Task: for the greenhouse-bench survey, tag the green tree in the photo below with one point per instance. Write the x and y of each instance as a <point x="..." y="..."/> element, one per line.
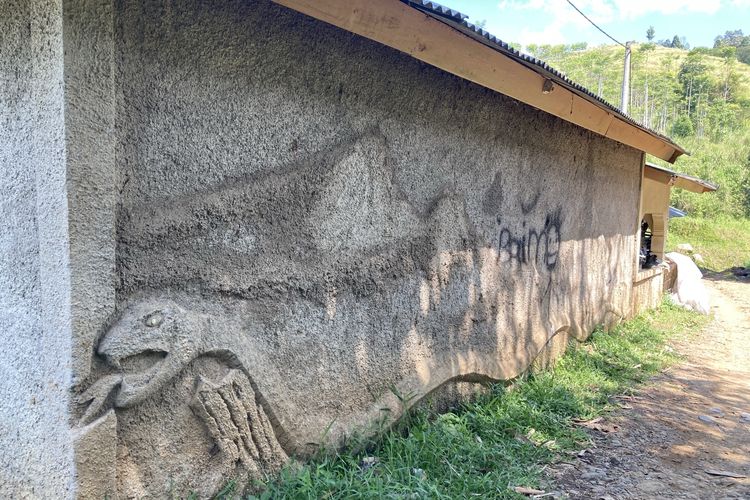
<point x="732" y="39"/>
<point x="743" y="54"/>
<point x="722" y="117"/>
<point x="650" y="32"/>
<point x="682" y="127"/>
<point x="695" y="78"/>
<point x="737" y="40"/>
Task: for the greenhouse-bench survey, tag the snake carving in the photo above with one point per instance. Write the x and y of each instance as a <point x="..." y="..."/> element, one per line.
<point x="300" y="368"/>
<point x="231" y="409"/>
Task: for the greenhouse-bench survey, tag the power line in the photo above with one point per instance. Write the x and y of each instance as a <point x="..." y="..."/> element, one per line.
<point x="594" y="24"/>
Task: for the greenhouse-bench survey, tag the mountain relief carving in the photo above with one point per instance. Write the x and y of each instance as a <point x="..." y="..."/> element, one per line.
<point x="360" y="291"/>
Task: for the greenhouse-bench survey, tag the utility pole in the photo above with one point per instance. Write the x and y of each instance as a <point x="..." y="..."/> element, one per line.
<point x="625" y="95"/>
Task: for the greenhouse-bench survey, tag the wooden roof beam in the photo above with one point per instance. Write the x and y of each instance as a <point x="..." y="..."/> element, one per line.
<point x="408" y="30"/>
<point x="676" y="179"/>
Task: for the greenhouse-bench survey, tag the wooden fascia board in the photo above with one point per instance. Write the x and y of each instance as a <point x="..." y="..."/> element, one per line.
<point x="408" y="30"/>
<point x="657" y="175"/>
<point x="690" y="185"/>
<point x="677" y="180"/>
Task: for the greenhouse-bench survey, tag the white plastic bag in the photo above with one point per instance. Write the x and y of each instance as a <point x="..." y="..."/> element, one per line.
<point x="689" y="290"/>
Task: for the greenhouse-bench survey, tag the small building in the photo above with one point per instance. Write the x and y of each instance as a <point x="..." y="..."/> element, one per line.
<point x="235" y="232"/>
<point x="655" y="192"/>
<point x="651" y="280"/>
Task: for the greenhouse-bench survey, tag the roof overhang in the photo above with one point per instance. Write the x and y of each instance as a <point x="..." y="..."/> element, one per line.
<point x="453" y="45"/>
<point x="676" y="179"/>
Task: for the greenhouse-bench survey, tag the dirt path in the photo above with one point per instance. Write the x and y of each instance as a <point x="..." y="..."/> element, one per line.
<point x="694" y="418"/>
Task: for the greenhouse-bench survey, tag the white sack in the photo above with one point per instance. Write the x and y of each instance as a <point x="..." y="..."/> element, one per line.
<point x="689" y="290"/>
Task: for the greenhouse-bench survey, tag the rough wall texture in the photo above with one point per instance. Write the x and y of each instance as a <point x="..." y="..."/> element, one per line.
<point x="648" y="289"/>
<point x="36" y="455"/>
<point x="90" y="150"/>
<point x="308" y="223"/>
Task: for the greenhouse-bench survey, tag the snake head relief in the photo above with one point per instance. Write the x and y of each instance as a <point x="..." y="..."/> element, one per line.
<point x="149" y="345"/>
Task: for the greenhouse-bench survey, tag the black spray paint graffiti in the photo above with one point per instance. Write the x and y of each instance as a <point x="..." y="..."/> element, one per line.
<point x="533" y="245"/>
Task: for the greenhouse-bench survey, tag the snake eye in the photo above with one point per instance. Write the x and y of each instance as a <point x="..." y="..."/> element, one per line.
<point x="154" y="319"/>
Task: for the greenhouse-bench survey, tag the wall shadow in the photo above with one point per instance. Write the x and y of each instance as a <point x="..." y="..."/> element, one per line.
<point x="343" y="223"/>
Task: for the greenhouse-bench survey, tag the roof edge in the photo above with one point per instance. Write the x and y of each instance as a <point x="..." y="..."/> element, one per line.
<point x="684" y="181"/>
<point x="460" y="23"/>
<point x="441" y="37"/>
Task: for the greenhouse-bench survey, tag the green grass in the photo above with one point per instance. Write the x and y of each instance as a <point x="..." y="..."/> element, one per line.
<point x="722" y="242"/>
<point x="504" y="438"/>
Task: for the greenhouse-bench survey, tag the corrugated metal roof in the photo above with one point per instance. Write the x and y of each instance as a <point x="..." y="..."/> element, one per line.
<point x="440" y="9"/>
<point x="459" y="21"/>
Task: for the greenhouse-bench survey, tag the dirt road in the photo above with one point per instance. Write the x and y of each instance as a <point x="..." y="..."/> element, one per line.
<point x="692" y="421"/>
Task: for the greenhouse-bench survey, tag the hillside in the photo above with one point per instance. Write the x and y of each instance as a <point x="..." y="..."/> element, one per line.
<point x="663" y="80"/>
<point x="700" y="98"/>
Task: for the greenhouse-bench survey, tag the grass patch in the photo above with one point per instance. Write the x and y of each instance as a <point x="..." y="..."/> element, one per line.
<point x="504" y="438"/>
<point x="723" y="242"/>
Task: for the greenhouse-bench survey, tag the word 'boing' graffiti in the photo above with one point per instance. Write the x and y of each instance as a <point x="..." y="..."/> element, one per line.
<point x="532" y="245"/>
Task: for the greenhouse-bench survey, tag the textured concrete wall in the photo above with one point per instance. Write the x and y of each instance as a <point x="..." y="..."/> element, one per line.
<point x="308" y="222"/>
<point x="277" y="232"/>
<point x="90" y="142"/>
<point x="36" y="457"/>
<point x="648" y="289"/>
<point x="655" y="191"/>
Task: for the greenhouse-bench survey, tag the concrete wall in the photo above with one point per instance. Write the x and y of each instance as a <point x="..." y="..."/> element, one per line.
<point x="648" y="289"/>
<point x="655" y="205"/>
<point x="36" y="460"/>
<point x="90" y="147"/>
<point x="649" y="284"/>
<point x="315" y="221"/>
<point x="278" y="231"/>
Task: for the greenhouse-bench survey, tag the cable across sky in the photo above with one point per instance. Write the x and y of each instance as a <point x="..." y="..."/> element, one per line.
<point x="594" y="24"/>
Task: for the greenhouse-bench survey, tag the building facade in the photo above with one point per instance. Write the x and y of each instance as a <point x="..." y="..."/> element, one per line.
<point x="238" y="233"/>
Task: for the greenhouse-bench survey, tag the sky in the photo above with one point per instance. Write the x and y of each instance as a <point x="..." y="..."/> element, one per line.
<point x="555" y="21"/>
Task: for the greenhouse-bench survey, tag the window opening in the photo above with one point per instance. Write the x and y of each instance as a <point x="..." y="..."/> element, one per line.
<point x="647" y="258"/>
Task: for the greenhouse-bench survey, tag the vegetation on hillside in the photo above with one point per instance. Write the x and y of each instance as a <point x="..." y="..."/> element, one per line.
<point x="709" y="87"/>
<point x="722" y="242"/>
<point x="738" y="40"/>
<point x="725" y="162"/>
<point x="700" y="98"/>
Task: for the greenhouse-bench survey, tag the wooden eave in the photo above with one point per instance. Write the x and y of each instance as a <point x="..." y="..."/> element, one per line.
<point x="676" y="179"/>
<point x="435" y="42"/>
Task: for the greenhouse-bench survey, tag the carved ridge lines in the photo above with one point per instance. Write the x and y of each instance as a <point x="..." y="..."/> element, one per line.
<point x="237" y="423"/>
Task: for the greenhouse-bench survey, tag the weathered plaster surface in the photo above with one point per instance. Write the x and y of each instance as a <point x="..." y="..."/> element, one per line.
<point x="36" y="455"/>
<point x="321" y="219"/>
<point x="273" y="225"/>
<point x="90" y="147"/>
